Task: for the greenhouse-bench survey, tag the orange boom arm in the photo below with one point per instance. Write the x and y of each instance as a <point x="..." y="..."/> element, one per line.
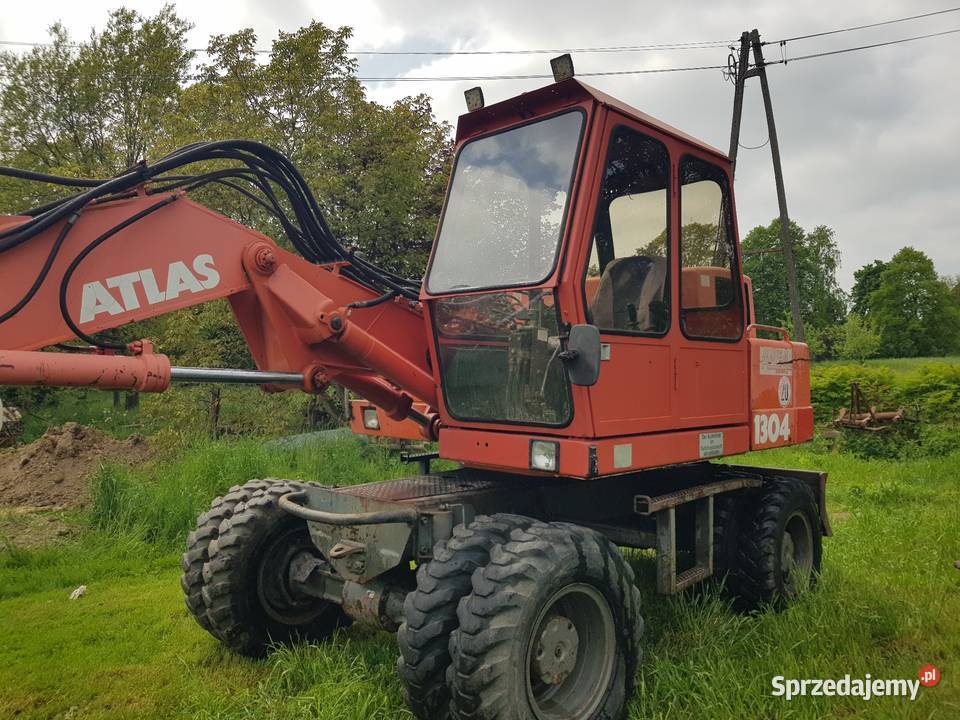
<point x="297" y="317"/>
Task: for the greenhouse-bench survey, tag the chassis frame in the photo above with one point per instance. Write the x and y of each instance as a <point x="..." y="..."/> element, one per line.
<point x="371" y="536"/>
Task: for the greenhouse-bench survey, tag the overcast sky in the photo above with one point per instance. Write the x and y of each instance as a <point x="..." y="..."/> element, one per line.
<point x="870" y="140"/>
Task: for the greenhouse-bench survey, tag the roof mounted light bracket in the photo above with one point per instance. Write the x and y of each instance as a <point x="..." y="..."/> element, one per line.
<point x="474" y="98"/>
<point x="562" y="67"/>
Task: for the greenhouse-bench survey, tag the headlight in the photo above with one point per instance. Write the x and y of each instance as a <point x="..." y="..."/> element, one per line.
<point x="370" y="419"/>
<point x="544" y="455"/>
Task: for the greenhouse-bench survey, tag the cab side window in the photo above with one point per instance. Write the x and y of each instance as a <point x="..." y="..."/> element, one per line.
<point x="627" y="285"/>
<point x="710" y="298"/>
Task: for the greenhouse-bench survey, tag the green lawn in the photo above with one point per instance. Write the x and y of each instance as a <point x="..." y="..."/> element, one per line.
<point x="898" y="365"/>
<point x="888" y="602"/>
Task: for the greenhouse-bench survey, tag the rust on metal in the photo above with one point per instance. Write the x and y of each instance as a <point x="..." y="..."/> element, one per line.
<point x="646" y="505"/>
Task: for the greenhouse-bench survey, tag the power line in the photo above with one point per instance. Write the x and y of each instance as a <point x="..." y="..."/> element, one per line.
<point x="478" y="78"/>
<point x="686" y="45"/>
<point x="701" y="45"/>
<point x="640" y="71"/>
<point x="861" y="27"/>
<point x="530" y="76"/>
<point x="755" y="147"/>
<point x="693" y="45"/>
<point x="861" y="47"/>
<point x="536" y="76"/>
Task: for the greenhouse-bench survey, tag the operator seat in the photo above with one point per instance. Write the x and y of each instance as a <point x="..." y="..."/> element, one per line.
<point x="630" y="294"/>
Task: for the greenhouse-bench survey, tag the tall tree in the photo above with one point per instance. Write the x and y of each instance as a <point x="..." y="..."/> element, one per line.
<point x="91" y="108"/>
<point x="95" y="107"/>
<point x="953" y="283"/>
<point x="822" y="302"/>
<point x="912" y="308"/>
<point x="866" y="281"/>
<point x="379" y="172"/>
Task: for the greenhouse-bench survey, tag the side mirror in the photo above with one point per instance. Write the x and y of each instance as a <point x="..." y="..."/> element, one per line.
<point x="582" y="356"/>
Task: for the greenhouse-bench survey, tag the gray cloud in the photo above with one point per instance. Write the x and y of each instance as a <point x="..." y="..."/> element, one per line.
<point x="869" y="139"/>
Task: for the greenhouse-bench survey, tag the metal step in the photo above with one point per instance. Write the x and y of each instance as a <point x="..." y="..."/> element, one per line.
<point x="691" y="577"/>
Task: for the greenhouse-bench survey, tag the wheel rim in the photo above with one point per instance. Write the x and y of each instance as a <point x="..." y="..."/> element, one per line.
<point x="796" y="552"/>
<point x="276" y="596"/>
<point x="570" y="654"/>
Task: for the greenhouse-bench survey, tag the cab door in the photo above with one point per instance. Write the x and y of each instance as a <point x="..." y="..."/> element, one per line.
<point x="628" y="284"/>
<point x="711" y="375"/>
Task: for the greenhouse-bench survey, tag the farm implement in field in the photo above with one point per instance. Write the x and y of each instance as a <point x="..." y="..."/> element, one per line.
<point x="863" y="416"/>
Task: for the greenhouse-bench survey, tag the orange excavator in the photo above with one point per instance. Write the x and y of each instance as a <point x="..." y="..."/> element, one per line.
<point x="583" y="344"/>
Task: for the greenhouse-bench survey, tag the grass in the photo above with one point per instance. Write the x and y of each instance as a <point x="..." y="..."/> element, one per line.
<point x="180" y="413"/>
<point x="165" y="506"/>
<point x="898" y="365"/>
<point x="888" y="602"/>
<point x="87" y="407"/>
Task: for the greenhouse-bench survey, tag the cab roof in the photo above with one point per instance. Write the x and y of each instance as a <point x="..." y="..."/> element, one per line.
<point x="556" y="97"/>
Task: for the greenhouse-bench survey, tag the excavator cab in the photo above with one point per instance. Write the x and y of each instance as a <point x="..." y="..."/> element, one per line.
<point x="568" y="209"/>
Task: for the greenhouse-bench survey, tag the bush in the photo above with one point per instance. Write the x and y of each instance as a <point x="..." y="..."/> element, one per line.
<point x="184" y="412"/>
<point x="830" y="388"/>
<point x="825" y="343"/>
<point x="897" y="442"/>
<point x="860" y="340"/>
<point x="939" y="440"/>
<point x="934" y="390"/>
<point x="930" y="394"/>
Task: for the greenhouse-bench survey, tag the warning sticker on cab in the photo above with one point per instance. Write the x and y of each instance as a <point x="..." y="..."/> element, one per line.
<point x="776" y="361"/>
<point x="711" y="444"/>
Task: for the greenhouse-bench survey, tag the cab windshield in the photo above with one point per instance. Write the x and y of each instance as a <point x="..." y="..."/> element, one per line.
<point x="506" y="207"/>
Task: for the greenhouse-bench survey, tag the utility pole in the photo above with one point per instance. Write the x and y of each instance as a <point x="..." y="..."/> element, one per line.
<point x="751" y="41"/>
<point x="743" y="60"/>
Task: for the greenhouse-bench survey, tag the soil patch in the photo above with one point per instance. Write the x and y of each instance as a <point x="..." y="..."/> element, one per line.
<point x="54" y="471"/>
<point x="26" y="528"/>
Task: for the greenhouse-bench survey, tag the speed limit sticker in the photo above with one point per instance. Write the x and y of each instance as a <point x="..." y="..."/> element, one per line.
<point x="784" y="391"/>
<point x="771" y="428"/>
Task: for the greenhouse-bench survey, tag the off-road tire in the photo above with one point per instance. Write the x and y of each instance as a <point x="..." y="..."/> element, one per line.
<point x="488" y="675"/>
<point x="727" y="523"/>
<point x="198" y="543"/>
<point x="232" y="588"/>
<point x="430" y="611"/>
<point x="760" y="571"/>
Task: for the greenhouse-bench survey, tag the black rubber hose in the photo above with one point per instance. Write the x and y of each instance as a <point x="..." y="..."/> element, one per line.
<point x="47" y="178"/>
<point x="64" y="284"/>
<point x="44" y="271"/>
<point x="265" y="169"/>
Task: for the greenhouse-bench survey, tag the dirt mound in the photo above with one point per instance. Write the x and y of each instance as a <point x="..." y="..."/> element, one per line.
<point x="55" y="470"/>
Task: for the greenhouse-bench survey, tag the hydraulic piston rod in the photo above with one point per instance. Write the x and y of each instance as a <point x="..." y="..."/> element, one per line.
<point x="227" y="375"/>
<point x="149" y="372"/>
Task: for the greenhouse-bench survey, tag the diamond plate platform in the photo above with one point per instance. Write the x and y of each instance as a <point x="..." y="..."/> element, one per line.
<point x="422" y="486"/>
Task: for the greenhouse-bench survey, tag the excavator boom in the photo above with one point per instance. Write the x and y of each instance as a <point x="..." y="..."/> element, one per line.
<point x="298" y="318"/>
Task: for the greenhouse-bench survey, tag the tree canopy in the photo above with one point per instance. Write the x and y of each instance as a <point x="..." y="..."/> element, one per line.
<point x="131" y="91"/>
<point x="910" y="306"/>
<point x="822" y="301"/>
<point x="866" y="281"/>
